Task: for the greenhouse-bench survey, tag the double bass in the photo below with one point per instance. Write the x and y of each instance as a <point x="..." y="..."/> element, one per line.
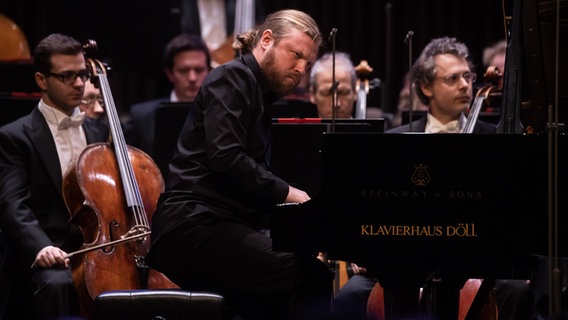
<point x="111" y="193"/>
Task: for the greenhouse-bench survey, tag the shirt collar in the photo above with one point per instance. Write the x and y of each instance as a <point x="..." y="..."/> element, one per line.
<point x="250" y="61"/>
<point x="173" y="96"/>
<point x="435" y="126"/>
<point x="55" y="117"/>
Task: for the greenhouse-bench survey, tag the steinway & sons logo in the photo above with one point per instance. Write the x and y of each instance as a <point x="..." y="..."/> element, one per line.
<point x="421" y="178"/>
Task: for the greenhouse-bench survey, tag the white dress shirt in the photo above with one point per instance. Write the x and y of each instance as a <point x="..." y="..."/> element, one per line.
<point x="435" y="126"/>
<point x="67" y="133"/>
<point x="213" y="22"/>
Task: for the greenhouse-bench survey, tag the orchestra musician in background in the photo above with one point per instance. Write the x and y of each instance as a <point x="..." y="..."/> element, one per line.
<point x="217" y="21"/>
<point x="204" y="231"/>
<point x="186" y="64"/>
<point x="321" y="86"/>
<point x="351" y="300"/>
<point x="92" y="103"/>
<point x="407" y="99"/>
<point x="36" y="152"/>
<point x="495" y="55"/>
<point x="443" y="78"/>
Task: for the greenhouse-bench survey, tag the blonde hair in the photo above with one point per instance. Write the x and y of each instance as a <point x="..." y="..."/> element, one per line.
<point x="279" y="23"/>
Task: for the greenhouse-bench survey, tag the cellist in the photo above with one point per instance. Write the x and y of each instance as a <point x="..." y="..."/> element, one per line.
<point x="36" y="151"/>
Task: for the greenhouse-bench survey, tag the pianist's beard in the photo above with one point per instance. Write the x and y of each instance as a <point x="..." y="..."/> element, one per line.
<point x="279" y="81"/>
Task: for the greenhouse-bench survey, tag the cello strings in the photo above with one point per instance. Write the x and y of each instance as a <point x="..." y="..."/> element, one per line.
<point x="130" y="185"/>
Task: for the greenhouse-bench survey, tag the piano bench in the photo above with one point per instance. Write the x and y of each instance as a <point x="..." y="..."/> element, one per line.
<point x="167" y="304"/>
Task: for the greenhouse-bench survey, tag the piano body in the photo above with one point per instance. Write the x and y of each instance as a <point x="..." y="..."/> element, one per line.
<point x="463" y="206"/>
<point x="492" y="188"/>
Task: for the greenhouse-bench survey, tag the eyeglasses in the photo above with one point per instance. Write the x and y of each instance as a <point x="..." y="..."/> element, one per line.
<point x="340" y="92"/>
<point x="452" y="79"/>
<point x="69" y="77"/>
<point x="90" y="100"/>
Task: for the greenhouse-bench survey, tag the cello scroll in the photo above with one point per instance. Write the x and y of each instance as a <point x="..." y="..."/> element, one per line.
<point x="363" y="71"/>
<point x="482" y="98"/>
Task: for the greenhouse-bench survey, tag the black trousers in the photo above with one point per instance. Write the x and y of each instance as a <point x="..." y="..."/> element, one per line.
<point x="351" y="300"/>
<point x="42" y="294"/>
<point x="234" y="260"/>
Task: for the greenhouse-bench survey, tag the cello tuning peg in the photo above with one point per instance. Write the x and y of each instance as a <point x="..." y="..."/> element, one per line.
<point x="90" y="46"/>
<point x="375" y="83"/>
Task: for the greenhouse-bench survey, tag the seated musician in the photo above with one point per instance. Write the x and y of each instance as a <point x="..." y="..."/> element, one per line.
<point x="320" y="86"/>
<point x="92" y="103"/>
<point x="36" y="152"/>
<point x="494" y="55"/>
<point x="186" y="63"/>
<point x="443" y="81"/>
<point x="351" y="299"/>
<point x="443" y="78"/>
<point x="205" y="230"/>
<point x="407" y="100"/>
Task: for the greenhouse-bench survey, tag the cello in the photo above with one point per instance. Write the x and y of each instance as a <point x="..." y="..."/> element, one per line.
<point x="111" y="192"/>
<point x="363" y="71"/>
<point x="482" y="98"/>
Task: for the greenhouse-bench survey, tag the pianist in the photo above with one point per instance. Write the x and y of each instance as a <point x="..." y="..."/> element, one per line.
<point x="204" y="233"/>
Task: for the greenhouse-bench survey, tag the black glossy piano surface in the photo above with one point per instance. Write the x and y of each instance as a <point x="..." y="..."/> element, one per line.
<point x="415" y="203"/>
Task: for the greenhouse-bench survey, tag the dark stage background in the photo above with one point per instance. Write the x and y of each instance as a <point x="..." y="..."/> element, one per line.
<point x="131" y="34"/>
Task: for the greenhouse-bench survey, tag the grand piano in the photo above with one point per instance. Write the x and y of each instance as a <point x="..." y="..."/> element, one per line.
<point x="474" y="210"/>
<point x="411" y="207"/>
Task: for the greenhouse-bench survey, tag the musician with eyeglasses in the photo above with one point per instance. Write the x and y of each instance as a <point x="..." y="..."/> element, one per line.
<point x="35" y="153"/>
<point x="92" y="103"/>
<point x="443" y="78"/>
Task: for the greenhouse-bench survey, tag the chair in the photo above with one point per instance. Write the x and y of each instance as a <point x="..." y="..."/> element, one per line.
<point x="163" y="304"/>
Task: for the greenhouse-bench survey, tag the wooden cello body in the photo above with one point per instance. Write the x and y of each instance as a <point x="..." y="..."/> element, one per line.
<point x="111" y="194"/>
<point x="93" y="197"/>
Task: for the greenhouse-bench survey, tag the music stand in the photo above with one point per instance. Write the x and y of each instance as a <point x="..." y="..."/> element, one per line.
<point x="296" y="144"/>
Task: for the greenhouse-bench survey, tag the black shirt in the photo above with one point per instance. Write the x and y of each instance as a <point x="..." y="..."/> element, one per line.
<point x="222" y="158"/>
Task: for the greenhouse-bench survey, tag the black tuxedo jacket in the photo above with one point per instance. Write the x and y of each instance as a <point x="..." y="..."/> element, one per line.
<point x="420" y="126"/>
<point x="140" y="131"/>
<point x="32" y="210"/>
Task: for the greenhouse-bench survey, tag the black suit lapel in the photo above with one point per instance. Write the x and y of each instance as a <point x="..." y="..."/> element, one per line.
<point x="42" y="140"/>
